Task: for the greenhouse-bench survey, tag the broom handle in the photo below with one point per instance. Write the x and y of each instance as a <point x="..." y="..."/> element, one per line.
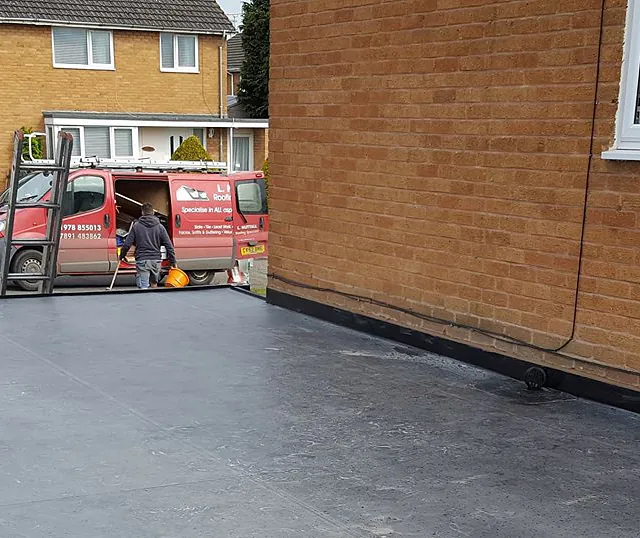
<point x="113" y="280"/>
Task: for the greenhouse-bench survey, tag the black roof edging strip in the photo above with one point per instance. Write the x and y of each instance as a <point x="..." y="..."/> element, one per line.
<point x="245" y="291"/>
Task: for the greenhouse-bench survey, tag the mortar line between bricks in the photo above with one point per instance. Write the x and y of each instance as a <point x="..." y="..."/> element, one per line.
<point x="342" y="527"/>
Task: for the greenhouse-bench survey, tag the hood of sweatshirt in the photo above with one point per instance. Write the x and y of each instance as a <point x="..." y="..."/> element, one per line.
<point x="149" y="221"/>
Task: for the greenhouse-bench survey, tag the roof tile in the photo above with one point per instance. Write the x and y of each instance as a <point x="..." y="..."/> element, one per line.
<point x="203" y="16"/>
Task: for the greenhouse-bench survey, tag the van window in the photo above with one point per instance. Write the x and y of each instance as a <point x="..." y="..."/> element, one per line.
<point x="30" y="188"/>
<point x="83" y="194"/>
<point x="251" y="196"/>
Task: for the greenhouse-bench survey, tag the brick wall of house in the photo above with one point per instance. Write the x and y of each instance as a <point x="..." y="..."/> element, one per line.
<point x="434" y="155"/>
<point x="31" y="85"/>
<point x="213" y="145"/>
<point x="260" y="147"/>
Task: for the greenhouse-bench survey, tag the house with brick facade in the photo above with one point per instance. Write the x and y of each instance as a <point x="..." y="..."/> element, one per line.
<point x="466" y="172"/>
<point x="235" y="57"/>
<point x="129" y="80"/>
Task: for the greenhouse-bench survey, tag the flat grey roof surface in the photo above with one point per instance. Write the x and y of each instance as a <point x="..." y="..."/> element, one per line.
<point x="212" y="413"/>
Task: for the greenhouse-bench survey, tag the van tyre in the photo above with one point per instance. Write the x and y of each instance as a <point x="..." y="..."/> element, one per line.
<point x="201" y="278"/>
<point x="28" y="261"/>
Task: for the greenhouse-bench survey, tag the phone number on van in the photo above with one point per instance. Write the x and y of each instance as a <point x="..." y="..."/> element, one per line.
<point x="85" y="236"/>
<point x="81" y="227"/>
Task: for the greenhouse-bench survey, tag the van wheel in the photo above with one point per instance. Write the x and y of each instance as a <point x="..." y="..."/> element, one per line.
<point x="201" y="278"/>
<point x="28" y="261"/>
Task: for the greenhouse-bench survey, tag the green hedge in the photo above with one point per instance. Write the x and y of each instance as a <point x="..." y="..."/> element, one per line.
<point x="190" y="150"/>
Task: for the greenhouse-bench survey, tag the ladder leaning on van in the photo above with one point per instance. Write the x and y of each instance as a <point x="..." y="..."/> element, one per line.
<point x="59" y="169"/>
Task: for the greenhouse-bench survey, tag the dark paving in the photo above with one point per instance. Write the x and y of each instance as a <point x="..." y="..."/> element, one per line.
<point x="211" y="413"/>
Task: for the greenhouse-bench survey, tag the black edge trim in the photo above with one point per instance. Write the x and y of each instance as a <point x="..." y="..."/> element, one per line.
<point x="245" y="290"/>
<point x="577" y="385"/>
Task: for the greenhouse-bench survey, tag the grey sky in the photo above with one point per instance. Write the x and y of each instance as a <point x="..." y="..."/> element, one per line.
<point x="231" y="6"/>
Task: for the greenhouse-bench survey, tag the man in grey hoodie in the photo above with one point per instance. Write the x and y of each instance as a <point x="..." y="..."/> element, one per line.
<point x="148" y="236"/>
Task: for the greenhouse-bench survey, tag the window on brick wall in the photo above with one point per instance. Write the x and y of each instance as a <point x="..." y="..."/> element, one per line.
<point x="179" y="53"/>
<point x="627" y="136"/>
<point x="77" y="48"/>
<point x="112" y="143"/>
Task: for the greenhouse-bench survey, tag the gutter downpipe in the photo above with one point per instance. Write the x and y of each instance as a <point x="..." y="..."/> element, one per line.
<point x="221" y="86"/>
<point x="221" y="79"/>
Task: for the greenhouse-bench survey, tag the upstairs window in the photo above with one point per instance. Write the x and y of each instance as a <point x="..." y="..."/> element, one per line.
<point x="179" y="53"/>
<point x="76" y="48"/>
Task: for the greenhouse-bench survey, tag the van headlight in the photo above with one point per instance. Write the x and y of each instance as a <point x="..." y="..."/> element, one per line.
<point x="3" y="225"/>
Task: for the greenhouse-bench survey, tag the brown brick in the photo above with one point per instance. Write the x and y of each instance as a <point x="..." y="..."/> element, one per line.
<point x="31" y="85"/>
<point x="442" y="154"/>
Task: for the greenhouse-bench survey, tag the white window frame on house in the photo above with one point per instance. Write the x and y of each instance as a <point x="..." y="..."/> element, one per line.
<point x="112" y="145"/>
<point x="90" y="63"/>
<point x="176" y="68"/>
<point x="626" y="145"/>
<point x="240" y="133"/>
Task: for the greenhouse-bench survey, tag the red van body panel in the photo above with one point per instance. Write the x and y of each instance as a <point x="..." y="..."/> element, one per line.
<point x="202" y="224"/>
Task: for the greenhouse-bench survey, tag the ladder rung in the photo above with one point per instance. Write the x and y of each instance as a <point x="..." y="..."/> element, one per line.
<point x="42" y="167"/>
<point x="27" y="276"/>
<point x="42" y="205"/>
<point x="33" y="242"/>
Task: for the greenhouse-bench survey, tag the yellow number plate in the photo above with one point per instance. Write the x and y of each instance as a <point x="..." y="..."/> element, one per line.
<point x="248" y="251"/>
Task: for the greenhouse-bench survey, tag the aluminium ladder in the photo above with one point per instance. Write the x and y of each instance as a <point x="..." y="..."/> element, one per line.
<point x="59" y="170"/>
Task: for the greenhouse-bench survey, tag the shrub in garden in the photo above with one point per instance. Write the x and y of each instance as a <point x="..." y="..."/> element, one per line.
<point x="191" y="150"/>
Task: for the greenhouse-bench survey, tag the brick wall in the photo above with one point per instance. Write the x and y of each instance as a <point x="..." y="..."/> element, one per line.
<point x="31" y="85"/>
<point x="213" y="145"/>
<point x="434" y="155"/>
<point x="260" y="147"/>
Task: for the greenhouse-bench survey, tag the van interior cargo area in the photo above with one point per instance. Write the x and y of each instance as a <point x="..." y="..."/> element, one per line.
<point x="132" y="193"/>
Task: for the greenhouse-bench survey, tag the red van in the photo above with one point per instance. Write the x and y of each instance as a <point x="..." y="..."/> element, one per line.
<point x="213" y="220"/>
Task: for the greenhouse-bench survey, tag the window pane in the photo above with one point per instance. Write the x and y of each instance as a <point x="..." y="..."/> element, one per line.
<point x="83" y="194"/>
<point x="101" y="47"/>
<point x="70" y="46"/>
<point x="75" y="132"/>
<point x="186" y="51"/>
<point x="240" y="153"/>
<point x="96" y="142"/>
<point x="200" y="134"/>
<point x="124" y="142"/>
<point x="166" y="51"/>
<point x="249" y="197"/>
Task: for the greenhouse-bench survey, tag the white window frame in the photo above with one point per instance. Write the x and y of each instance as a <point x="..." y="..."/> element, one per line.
<point x="90" y="65"/>
<point x="134" y="142"/>
<point x="626" y="145"/>
<point x="240" y="133"/>
<point x="176" y="68"/>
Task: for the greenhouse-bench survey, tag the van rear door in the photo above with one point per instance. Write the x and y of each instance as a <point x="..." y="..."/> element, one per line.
<point x="202" y="222"/>
<point x="251" y="219"/>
